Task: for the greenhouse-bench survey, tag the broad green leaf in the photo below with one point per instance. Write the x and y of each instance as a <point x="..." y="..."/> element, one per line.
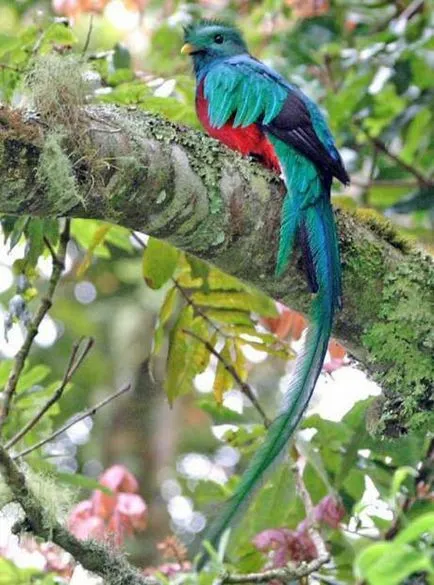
<point x="236" y="300"/>
<point x="34" y="232"/>
<point x="119" y="237"/>
<point x="220" y="414"/>
<point x="159" y="262"/>
<point x="218" y="280"/>
<point x="390" y="563"/>
<point x="60" y="34"/>
<point x="35" y="375"/>
<point x="188" y="356"/>
<point x="86" y="232"/>
<point x="199" y="268"/>
<point x="231" y="317"/>
<point x="422" y="525"/>
<point x="17" y="231"/>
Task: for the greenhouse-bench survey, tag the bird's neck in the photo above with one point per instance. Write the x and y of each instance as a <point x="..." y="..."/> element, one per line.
<point x="203" y="62"/>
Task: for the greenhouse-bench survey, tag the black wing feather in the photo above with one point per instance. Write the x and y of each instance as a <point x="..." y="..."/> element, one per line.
<point x="293" y="125"/>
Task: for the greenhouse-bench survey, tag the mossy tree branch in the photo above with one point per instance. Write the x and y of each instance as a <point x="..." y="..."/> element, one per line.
<point x="140" y="171"/>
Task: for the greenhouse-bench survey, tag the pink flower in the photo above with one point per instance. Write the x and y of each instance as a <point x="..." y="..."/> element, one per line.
<point x="329" y="511"/>
<point x="119" y="479"/>
<point x="284" y="545"/>
<point x="111" y="516"/>
<point x="133" y="508"/>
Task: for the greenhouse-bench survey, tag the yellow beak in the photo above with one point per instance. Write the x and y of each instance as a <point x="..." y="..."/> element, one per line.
<point x="188" y="49"/>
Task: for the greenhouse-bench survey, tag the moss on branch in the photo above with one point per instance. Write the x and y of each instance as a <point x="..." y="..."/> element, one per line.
<point x="139" y="170"/>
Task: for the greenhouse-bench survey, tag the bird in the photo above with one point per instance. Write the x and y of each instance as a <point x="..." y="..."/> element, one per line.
<point x="254" y="110"/>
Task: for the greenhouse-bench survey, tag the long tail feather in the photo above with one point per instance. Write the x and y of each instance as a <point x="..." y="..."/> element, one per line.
<point x="318" y="226"/>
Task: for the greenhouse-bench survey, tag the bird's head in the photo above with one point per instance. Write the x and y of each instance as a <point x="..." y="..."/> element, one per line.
<point x="210" y="40"/>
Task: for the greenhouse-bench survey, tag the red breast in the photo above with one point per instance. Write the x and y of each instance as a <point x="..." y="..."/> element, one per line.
<point x="250" y="140"/>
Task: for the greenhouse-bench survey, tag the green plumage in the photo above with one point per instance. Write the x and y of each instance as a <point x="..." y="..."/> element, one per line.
<point x="232" y="90"/>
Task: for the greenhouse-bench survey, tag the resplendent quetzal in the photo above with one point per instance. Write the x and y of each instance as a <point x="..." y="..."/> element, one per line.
<point x="252" y="109"/>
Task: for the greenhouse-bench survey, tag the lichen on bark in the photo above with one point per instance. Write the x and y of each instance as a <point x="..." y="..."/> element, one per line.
<point x="401" y="350"/>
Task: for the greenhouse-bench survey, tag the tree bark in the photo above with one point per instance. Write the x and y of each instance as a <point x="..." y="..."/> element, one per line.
<point x="138" y="170"/>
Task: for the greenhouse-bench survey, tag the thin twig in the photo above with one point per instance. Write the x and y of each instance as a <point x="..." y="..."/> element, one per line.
<point x="244" y="387"/>
<point x="88" y="412"/>
<point x="424" y="181"/>
<point x="10" y="68"/>
<point x="92" y="555"/>
<point x="284" y="574"/>
<point x="309" y="508"/>
<point x="88" y="36"/>
<point x="73" y="365"/>
<point x="32" y="331"/>
<point x="359" y="533"/>
<point x="197" y="309"/>
<point x="326" y="579"/>
<point x="384" y="183"/>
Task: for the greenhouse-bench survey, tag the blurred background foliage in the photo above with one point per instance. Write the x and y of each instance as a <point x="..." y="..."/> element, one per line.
<point x="370" y="66"/>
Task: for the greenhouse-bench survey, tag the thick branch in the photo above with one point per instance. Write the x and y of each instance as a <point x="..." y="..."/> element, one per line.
<point x="171" y="182"/>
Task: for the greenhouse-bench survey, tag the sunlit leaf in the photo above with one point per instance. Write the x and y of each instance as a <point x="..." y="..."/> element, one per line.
<point x="159" y="262"/>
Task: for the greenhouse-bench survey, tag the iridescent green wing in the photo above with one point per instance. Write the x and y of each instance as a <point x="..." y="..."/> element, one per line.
<point x="242" y="88"/>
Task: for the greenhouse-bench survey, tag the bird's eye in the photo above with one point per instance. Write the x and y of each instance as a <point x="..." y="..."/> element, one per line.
<point x="218" y="39"/>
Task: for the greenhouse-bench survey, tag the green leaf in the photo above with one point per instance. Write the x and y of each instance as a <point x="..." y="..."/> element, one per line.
<point x="59" y="34"/>
<point x="121" y="57"/>
<point x="34" y="232"/>
<point x="81" y="481"/>
<point x="416" y="135"/>
<point x="390" y="563"/>
<point x="119" y="237"/>
<point x="223" y="380"/>
<point x="236" y="300"/>
<point x="220" y="414"/>
<point x="188" y="356"/>
<point x="34" y="376"/>
<point x="231" y="317"/>
<point x="422" y="525"/>
<point x="159" y="263"/>
<point x="87" y="232"/>
<point x="17" y="231"/>
<point x="399" y="477"/>
<point x="166" y="311"/>
<point x="199" y="268"/>
<point x="97" y="239"/>
<point x="5" y="368"/>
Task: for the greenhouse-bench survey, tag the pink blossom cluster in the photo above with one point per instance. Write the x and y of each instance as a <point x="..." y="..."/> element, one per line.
<point x="111" y="516"/>
<point x="284" y="545"/>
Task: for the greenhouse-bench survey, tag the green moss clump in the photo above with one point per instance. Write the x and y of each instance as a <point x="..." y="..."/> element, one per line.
<point x="58" y="88"/>
<point x="55" y="500"/>
<point x="402" y="341"/>
<point x="56" y="174"/>
<point x="384" y="229"/>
